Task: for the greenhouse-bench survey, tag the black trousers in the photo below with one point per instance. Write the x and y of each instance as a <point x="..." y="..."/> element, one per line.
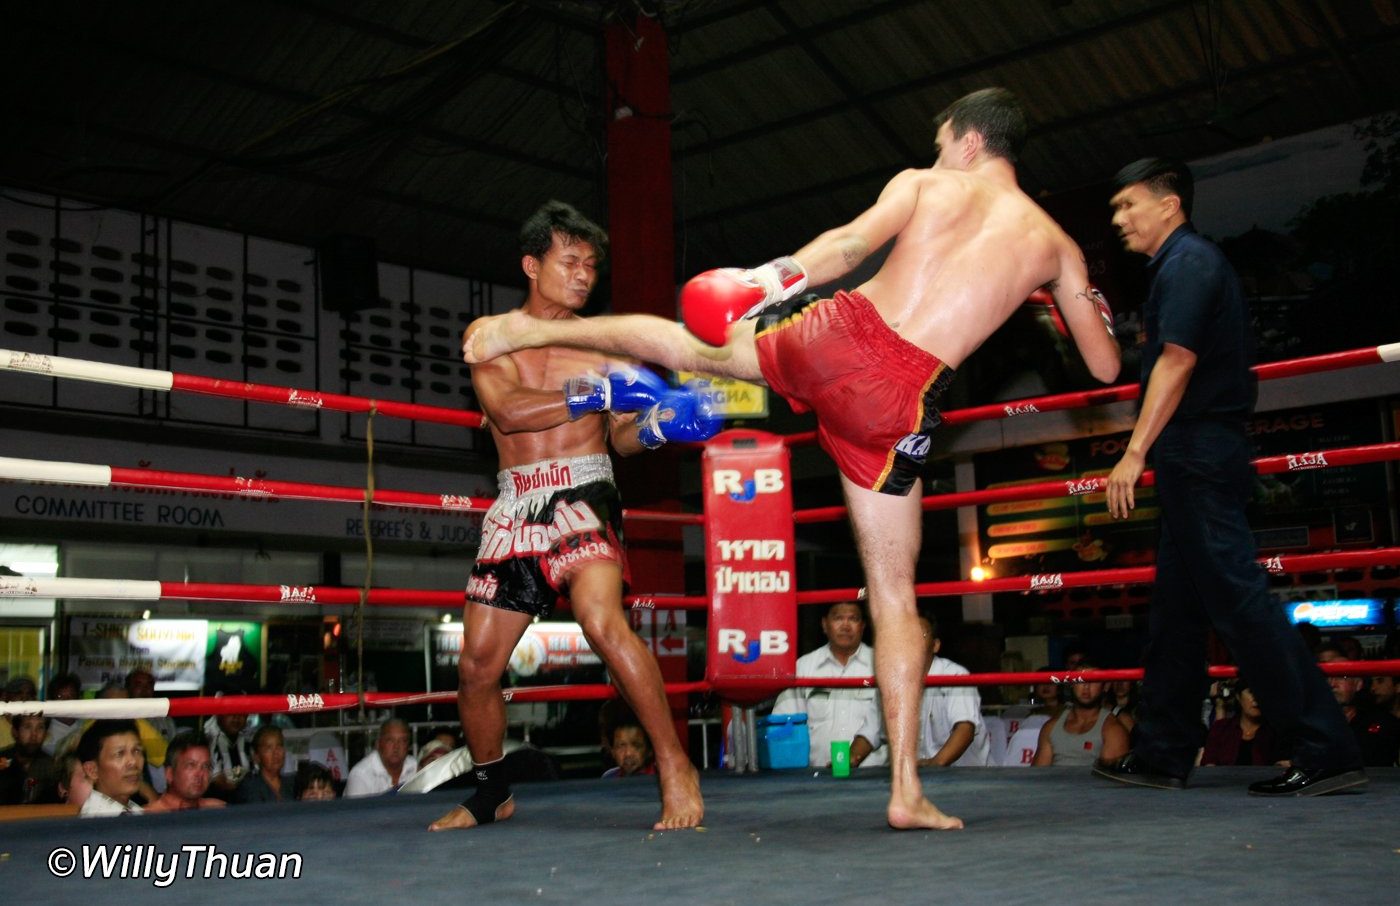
<point x="1207" y="576"/>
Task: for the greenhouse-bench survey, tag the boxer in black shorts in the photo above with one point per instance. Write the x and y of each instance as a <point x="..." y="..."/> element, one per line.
<point x="555" y="530"/>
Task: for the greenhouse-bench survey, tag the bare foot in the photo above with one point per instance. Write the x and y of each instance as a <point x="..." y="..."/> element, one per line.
<point x="922" y="815"/>
<point x="495" y="336"/>
<point x="460" y="819"/>
<point x="681" y="803"/>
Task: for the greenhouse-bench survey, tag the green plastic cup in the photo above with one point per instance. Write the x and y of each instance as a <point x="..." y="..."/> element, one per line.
<point x="840" y="759"/>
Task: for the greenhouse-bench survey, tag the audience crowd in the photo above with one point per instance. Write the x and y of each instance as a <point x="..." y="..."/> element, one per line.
<point x="114" y="767"/>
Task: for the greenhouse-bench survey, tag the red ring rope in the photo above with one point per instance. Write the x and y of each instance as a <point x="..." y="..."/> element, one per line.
<point x="1075" y="487"/>
<point x="236" y="486"/>
<point x="143" y="590"/>
<point x="1223" y="671"/>
<point x="156" y="379"/>
<point x="1135" y="575"/>
<point x="308" y="702"/>
<point x="1332" y="361"/>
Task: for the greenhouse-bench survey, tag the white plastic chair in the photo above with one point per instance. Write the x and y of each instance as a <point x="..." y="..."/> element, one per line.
<point x="1020" y="751"/>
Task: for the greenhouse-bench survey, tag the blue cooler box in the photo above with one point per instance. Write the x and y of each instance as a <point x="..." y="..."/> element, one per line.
<point x="782" y="741"/>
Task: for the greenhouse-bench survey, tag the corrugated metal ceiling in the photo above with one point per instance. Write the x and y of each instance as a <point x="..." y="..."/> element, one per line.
<point x="435" y="126"/>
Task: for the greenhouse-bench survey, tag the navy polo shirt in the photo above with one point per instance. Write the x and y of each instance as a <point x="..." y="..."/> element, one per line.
<point x="1196" y="302"/>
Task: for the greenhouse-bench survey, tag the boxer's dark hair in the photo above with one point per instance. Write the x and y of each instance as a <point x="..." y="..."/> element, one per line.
<point x="537" y="233"/>
<point x="90" y="745"/>
<point x="997" y="116"/>
<point x="1162" y="177"/>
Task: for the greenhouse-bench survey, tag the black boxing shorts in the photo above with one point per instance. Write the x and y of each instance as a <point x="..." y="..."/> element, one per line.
<point x="550" y="518"/>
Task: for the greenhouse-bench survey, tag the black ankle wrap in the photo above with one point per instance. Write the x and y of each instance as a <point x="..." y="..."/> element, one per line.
<point x="492" y="791"/>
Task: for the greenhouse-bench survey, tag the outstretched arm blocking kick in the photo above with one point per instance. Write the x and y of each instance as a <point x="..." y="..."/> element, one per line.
<point x="715" y="304"/>
<point x="644" y="337"/>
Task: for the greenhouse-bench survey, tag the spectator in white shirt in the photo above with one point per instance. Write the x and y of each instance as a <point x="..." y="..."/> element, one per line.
<point x="951" y="730"/>
<point x="837" y="714"/>
<point x="113" y="760"/>
<point x="387" y="767"/>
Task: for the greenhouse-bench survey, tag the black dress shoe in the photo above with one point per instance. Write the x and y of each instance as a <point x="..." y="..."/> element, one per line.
<point x="1310" y="782"/>
<point x="1133" y="770"/>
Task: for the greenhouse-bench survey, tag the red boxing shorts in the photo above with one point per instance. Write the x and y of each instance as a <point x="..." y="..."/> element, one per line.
<point x="873" y="391"/>
<point x="550" y="518"/>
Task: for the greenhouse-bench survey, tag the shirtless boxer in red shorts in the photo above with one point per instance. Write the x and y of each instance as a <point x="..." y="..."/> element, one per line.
<point x="555" y="529"/>
<point x="969" y="248"/>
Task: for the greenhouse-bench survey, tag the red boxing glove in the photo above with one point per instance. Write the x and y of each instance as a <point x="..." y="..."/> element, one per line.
<point x="712" y="301"/>
<point x="1042" y="305"/>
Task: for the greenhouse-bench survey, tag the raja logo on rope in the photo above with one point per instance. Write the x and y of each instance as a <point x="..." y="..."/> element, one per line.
<point x="1306" y="461"/>
<point x="1083" y="486"/>
<point x="312" y="702"/>
<point x="30" y="361"/>
<point x="307" y="400"/>
<point x="251" y="487"/>
<point x="304" y="594"/>
<point x="1047" y="582"/>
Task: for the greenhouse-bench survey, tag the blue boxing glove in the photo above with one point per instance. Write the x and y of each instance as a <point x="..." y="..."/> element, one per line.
<point x="624" y="389"/>
<point x="685" y="414"/>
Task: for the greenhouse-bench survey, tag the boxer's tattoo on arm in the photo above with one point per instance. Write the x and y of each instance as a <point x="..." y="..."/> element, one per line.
<point x="1100" y="305"/>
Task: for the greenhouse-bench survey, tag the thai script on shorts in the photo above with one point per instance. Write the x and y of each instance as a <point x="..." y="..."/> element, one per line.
<point x="483" y="588"/>
<point x="551" y="476"/>
<point x="505" y="540"/>
<point x="584" y="553"/>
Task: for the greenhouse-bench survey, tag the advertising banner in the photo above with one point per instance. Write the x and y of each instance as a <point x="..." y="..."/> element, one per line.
<point x="233" y="658"/>
<point x="104" y="650"/>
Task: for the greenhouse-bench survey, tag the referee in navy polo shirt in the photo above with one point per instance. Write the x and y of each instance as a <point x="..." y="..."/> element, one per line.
<point x="1199" y="391"/>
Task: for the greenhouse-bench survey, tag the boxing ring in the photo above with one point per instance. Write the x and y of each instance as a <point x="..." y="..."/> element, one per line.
<point x="792" y="836"/>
